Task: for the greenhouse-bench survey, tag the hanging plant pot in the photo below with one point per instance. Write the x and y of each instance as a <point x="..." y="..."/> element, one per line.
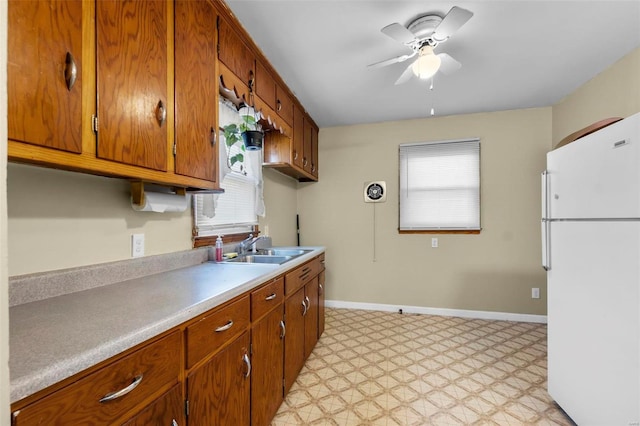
<point x="252" y="139"/>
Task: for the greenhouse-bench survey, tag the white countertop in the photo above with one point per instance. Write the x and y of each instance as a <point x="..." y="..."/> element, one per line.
<point x="55" y="338"/>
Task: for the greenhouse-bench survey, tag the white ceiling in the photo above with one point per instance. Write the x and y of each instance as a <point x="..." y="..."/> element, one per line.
<point x="514" y="54"/>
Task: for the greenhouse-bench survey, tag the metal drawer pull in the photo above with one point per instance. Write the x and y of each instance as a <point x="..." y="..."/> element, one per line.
<point x="212" y="138"/>
<point x="225" y="327"/>
<point x="295" y="155"/>
<point x="70" y="71"/>
<point x="174" y="423"/>
<point x="270" y="297"/>
<point x="321" y="288"/>
<point x="122" y="392"/>
<point x="284" y="330"/>
<point x="308" y="302"/>
<point x="161" y="113"/>
<point x="247" y="361"/>
<point x="304" y="306"/>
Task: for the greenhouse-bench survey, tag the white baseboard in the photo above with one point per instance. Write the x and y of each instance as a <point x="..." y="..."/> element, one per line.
<point x="503" y="316"/>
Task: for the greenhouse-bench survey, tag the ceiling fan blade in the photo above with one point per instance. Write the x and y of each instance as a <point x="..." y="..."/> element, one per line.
<point x="448" y="65"/>
<point x="391" y="61"/>
<point x="406" y="75"/>
<point x="398" y="33"/>
<point x="456" y="18"/>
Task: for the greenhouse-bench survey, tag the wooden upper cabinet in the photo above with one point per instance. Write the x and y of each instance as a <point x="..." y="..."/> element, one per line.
<point x="132" y="62"/>
<point x="284" y="105"/>
<point x="44" y="73"/>
<point x="196" y="90"/>
<point x="314" y="151"/>
<point x="308" y="142"/>
<point x="298" y="137"/>
<point x="235" y="54"/>
<point x="265" y="86"/>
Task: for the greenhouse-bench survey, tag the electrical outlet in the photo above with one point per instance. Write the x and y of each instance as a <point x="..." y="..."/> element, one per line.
<point x="434" y="243"/>
<point x="535" y="293"/>
<point x="137" y="245"/>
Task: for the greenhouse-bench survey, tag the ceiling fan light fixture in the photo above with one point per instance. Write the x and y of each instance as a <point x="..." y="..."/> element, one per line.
<point x="427" y="63"/>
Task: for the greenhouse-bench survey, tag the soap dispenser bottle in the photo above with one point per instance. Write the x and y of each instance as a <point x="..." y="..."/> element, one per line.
<point x="218" y="249"/>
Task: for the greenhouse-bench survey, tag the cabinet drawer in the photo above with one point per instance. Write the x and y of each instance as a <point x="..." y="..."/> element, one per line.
<point x="301" y="275"/>
<point x="266" y="298"/>
<point x="216" y="328"/>
<point x="154" y="367"/>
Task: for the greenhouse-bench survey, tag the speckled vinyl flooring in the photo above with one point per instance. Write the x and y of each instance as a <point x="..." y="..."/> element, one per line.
<point x="382" y="368"/>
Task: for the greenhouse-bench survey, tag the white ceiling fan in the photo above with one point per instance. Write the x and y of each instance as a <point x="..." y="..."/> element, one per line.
<point x="422" y="35"/>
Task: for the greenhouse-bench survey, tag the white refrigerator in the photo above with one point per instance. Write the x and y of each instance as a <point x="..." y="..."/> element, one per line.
<point x="591" y="251"/>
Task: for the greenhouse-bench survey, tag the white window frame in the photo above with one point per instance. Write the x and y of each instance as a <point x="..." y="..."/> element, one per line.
<point x="439" y="186"/>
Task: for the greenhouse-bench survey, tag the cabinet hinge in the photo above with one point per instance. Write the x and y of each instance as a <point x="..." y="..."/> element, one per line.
<point x="94" y="123"/>
<point x="186" y="407"/>
<point x="174" y="149"/>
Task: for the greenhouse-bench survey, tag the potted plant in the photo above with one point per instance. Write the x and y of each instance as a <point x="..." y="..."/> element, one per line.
<point x="249" y="131"/>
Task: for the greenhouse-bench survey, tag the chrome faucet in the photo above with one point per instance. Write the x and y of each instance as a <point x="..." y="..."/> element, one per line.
<point x="249" y="243"/>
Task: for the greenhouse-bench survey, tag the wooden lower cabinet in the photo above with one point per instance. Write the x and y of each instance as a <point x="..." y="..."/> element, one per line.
<point x="168" y="410"/>
<point x="301" y="320"/>
<point x="267" y="351"/>
<point x="218" y="392"/>
<point x="321" y="299"/>
<point x="238" y="362"/>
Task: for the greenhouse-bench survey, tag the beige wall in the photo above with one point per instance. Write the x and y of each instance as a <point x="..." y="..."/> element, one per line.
<point x="613" y="93"/>
<point x="493" y="271"/>
<point x="281" y="204"/>
<point x="59" y="219"/>
<point x="4" y="293"/>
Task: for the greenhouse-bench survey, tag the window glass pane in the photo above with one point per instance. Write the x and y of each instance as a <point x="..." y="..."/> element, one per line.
<point x="440" y="186"/>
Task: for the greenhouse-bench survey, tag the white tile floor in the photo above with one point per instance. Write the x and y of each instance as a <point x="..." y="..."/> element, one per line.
<point x="381" y="368"/>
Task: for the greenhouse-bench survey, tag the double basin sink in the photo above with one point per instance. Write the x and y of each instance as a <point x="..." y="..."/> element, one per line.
<point x="272" y="255"/>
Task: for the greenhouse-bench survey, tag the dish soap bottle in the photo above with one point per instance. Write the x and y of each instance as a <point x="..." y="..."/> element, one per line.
<point x="219" y="249"/>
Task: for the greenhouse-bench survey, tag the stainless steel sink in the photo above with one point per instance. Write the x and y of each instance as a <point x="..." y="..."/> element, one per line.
<point x="272" y="255"/>
<point x="282" y="252"/>
<point x="258" y="258"/>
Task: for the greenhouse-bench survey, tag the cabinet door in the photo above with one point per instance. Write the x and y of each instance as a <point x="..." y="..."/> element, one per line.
<point x="196" y="90"/>
<point x="294" y="339"/>
<point x="284" y="105"/>
<point x="298" y="136"/>
<point x="267" y="350"/>
<point x="218" y="392"/>
<point x="235" y="54"/>
<point x="132" y="82"/>
<point x="167" y="410"/>
<point x="311" y="317"/>
<point x="44" y="46"/>
<point x="314" y="151"/>
<point x="321" y="299"/>
<point x="265" y="86"/>
<point x="306" y="156"/>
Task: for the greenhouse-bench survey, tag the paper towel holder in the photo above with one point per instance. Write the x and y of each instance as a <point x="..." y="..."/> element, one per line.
<point x="137" y="192"/>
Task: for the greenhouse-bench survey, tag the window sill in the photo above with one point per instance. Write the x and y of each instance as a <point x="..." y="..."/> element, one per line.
<point x="210" y="240"/>
<point x="441" y="231"/>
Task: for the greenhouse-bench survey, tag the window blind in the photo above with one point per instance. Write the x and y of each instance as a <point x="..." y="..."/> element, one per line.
<point x="440" y="185"/>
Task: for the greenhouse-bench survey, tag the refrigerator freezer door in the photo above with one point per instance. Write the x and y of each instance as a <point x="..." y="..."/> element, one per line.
<point x="597" y="176"/>
<point x="594" y="321"/>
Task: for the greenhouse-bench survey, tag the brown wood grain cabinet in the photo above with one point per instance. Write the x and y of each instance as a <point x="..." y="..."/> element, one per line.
<point x="196" y="86"/>
<point x="109" y="394"/>
<point x="267" y="351"/>
<point x="45" y="73"/>
<point x="167" y="410"/>
<point x="132" y="63"/>
<point x="231" y="365"/>
<point x="284" y="105"/>
<point x="218" y="392"/>
<point x="235" y="53"/>
<point x="91" y="89"/>
<point x="265" y="86"/>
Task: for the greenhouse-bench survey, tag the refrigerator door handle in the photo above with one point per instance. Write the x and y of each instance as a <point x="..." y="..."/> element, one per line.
<point x="546" y="261"/>
<point x="545" y="194"/>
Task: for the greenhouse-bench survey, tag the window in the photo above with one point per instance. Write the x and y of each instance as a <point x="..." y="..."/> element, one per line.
<point x="236" y="211"/>
<point x="440" y="186"/>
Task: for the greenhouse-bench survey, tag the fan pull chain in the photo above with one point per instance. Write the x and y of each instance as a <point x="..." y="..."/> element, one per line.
<point x="433" y="111"/>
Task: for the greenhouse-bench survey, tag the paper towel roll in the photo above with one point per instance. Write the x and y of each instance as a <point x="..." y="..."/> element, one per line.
<point x="161" y="203"/>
